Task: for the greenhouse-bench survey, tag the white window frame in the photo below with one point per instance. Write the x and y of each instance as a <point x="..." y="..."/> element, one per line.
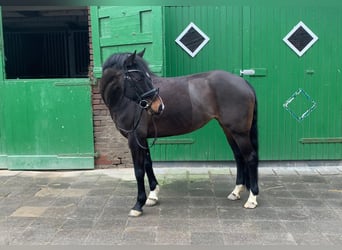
<point x="194" y="53"/>
<point x="308" y="46"/>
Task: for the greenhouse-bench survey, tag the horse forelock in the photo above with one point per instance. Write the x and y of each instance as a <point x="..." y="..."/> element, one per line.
<point x="142" y="65"/>
<point x="117" y="61"/>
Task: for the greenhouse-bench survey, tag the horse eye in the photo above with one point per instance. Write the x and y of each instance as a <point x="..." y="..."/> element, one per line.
<point x="137" y="77"/>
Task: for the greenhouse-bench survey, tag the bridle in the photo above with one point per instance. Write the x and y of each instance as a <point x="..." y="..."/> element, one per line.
<point x="144" y="101"/>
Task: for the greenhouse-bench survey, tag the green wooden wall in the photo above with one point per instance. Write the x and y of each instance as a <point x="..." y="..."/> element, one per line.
<point x="243" y="35"/>
<point x="250" y="36"/>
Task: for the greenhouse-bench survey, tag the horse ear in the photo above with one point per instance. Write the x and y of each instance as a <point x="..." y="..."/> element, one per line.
<point x="141" y="53"/>
<point x="130" y="60"/>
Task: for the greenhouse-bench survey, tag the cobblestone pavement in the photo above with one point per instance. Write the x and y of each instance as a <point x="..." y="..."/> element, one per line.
<point x="297" y="206"/>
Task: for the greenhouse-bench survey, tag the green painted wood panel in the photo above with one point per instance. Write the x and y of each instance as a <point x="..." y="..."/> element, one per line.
<point x="46" y="124"/>
<point x="125" y="29"/>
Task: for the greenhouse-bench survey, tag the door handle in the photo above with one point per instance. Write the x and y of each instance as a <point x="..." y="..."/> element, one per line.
<point x="251" y="72"/>
<point x="247" y="72"/>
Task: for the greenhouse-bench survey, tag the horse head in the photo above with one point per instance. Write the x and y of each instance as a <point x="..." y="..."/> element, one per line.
<point x="138" y="85"/>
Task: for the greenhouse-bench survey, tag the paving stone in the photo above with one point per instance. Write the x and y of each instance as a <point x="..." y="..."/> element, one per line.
<point x="207" y="238"/>
<point x="301" y="227"/>
<point x="136" y="237"/>
<point x="167" y="237"/>
<point x="49" y="192"/>
<point x="103" y="237"/>
<point x="311" y="239"/>
<point x="70" y="237"/>
<point x="204" y="225"/>
<point x="245" y="239"/>
<point x="203" y="212"/>
<point x="29" y="212"/>
<point x="293" y="214"/>
<point x="180" y="225"/>
<point x="174" y="212"/>
<point x="335" y="239"/>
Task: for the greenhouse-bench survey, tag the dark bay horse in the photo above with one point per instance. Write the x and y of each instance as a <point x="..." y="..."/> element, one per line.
<point x="143" y="105"/>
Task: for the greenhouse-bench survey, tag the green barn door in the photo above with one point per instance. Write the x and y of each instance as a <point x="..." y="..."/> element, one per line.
<point x="45" y="124"/>
<point x="298" y="88"/>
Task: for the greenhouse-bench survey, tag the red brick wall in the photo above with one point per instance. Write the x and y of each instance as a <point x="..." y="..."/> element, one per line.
<point x="110" y="146"/>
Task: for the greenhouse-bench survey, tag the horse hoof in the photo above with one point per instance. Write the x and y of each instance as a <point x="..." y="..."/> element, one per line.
<point x="134" y="213"/>
<point x="250" y="205"/>
<point x="233" y="197"/>
<point x="152" y="199"/>
<point x="251" y="202"/>
<point x="151" y="202"/>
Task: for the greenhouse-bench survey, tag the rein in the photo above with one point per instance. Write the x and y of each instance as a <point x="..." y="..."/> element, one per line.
<point x="134" y="129"/>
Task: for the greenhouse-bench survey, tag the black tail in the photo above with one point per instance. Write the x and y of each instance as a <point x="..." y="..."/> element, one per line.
<point x="254" y="129"/>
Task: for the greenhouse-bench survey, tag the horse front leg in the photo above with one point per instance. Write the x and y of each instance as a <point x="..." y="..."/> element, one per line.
<point x="138" y="156"/>
<point x="152" y="198"/>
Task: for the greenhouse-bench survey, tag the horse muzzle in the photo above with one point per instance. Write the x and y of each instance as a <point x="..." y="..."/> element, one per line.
<point x="157" y="106"/>
<point x="152" y="102"/>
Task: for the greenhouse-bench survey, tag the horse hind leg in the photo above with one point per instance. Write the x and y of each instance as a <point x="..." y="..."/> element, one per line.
<point x="249" y="170"/>
<point x="240" y="173"/>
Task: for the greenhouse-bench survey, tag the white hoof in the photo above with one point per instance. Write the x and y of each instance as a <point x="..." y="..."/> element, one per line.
<point x="235" y="195"/>
<point x="134" y="213"/>
<point x="251" y="202"/>
<point x="151" y="202"/>
<point x="152" y="199"/>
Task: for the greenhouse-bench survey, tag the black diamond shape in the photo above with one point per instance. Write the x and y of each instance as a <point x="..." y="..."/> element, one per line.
<point x="192" y="39"/>
<point x="300" y="38"/>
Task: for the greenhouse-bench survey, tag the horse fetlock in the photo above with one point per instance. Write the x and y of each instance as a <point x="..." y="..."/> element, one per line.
<point x="235" y="195"/>
<point x="251" y="202"/>
<point x="152" y="199"/>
